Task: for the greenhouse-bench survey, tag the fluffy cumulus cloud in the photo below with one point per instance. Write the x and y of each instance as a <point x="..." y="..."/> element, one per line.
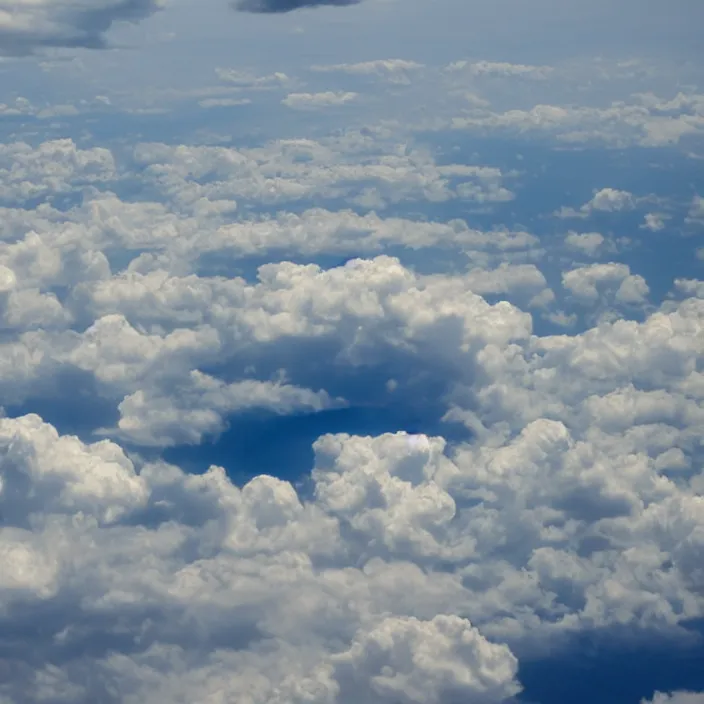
<point x="56" y="167"/>
<point x="588" y="243"/>
<point x="532" y="476"/>
<point x="366" y="170"/>
<point x="238" y="593"/>
<point x="187" y="412"/>
<point x="606" y="200"/>
<point x="29" y="25"/>
<point x="588" y="283"/>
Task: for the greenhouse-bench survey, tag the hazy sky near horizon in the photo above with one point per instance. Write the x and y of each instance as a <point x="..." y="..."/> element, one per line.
<point x="351" y="352"/>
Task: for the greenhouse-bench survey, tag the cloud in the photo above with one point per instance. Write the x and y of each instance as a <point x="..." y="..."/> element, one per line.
<point x="317" y="101"/>
<point x="676" y="698"/>
<point x="655" y="222"/>
<point x="696" y="211"/>
<point x="247" y="79"/>
<point x="587" y="284"/>
<point x="183" y="413"/>
<point x="499" y="69"/>
<point x="55" y="167"/>
<point x="611" y="200"/>
<point x="408" y="565"/>
<point x="219" y="577"/>
<point x="208" y="103"/>
<point x="274" y="6"/>
<point x="30" y="26"/>
<point x="605" y="200"/>
<point x="392" y="70"/>
<point x="411" y="567"/>
<point x="394" y="663"/>
<point x="368" y="171"/>
<point x="589" y="243"/>
<point x="620" y="124"/>
<point x="552" y="494"/>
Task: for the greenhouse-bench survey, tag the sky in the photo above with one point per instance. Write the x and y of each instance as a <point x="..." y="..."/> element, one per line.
<point x="351" y="352"/>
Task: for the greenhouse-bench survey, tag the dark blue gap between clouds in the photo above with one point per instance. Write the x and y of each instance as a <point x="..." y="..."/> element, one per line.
<point x="615" y="668"/>
<point x="263" y="443"/>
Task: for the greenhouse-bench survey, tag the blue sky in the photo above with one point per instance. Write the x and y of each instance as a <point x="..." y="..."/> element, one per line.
<point x="351" y="352"/>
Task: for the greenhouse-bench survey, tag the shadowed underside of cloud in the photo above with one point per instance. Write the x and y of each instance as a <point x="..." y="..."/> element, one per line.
<point x="272" y="6"/>
<point x="65" y="23"/>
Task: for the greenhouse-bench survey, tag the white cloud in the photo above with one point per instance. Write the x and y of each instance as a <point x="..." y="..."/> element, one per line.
<point x="318" y="101"/>
<point x="318" y="230"/>
<point x="223" y="102"/>
<point x="611" y="200"/>
<point x="499" y="69"/>
<point x="696" y="211"/>
<point x="588" y="284"/>
<point x="676" y="698"/>
<point x="299" y="169"/>
<point x="605" y="200"/>
<point x="251" y="80"/>
<point x="620" y="124"/>
<point x="404" y="660"/>
<point x="66" y="246"/>
<point x="392" y="70"/>
<point x="690" y="287"/>
<point x="54" y="167"/>
<point x="655" y="222"/>
<point x="204" y="320"/>
<point x="589" y="243"/>
<point x="19" y="106"/>
<point x="46" y="474"/>
<point x="183" y="413"/>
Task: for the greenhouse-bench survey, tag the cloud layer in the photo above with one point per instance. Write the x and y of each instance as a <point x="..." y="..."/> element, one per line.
<point x="475" y="381"/>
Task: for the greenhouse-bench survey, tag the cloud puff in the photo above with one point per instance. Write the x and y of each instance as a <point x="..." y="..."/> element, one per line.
<point x="30" y="26"/>
<point x="499" y="69"/>
<point x="696" y="211"/>
<point x="55" y="167"/>
<point x="272" y="6"/>
<point x="589" y="243"/>
<point x="185" y="412"/>
<point x="655" y="222"/>
<point x="392" y="70"/>
<point x="247" y="79"/>
<point x="676" y="698"/>
<point x="588" y="283"/>
<point x="316" y="101"/>
<point x="605" y="200"/>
